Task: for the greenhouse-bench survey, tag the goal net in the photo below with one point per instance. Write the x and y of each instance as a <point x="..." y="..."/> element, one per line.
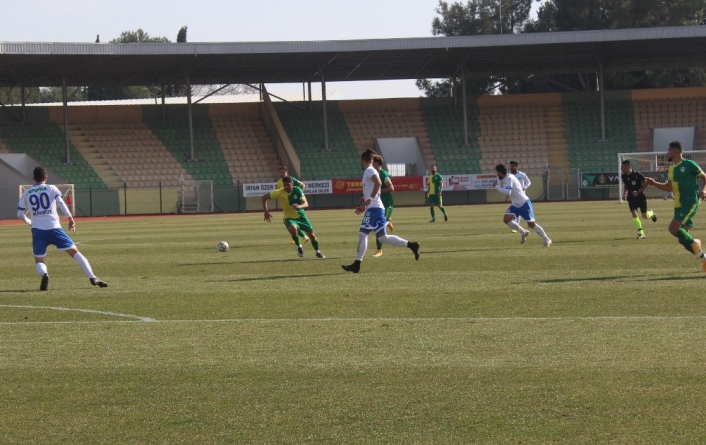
<point x="655" y="165"/>
<point x="67" y="191"/>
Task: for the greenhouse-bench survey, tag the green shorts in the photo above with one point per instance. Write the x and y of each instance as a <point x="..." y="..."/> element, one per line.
<point x="684" y="214"/>
<point x="302" y="223"/>
<point x="435" y="199"/>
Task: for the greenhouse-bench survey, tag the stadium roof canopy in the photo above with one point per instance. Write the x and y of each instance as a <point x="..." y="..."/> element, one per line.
<point x="46" y="64"/>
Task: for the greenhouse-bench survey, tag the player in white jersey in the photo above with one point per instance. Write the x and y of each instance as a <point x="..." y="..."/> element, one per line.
<point x="521" y="176"/>
<point x="524" y="181"/>
<point x="42" y="200"/>
<point x="521" y="206"/>
<point x="374" y="215"/>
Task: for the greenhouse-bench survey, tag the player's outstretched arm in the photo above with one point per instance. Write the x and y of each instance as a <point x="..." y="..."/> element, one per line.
<point x="666" y="186"/>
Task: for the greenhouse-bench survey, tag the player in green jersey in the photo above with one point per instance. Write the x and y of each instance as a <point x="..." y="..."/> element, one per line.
<point x="386" y="190"/>
<point x="284" y="171"/>
<point x="683" y="181"/>
<point x="436" y="185"/>
<point x="293" y="203"/>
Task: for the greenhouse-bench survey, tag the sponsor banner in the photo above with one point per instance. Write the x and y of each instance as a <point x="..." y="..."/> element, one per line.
<point x="401" y="183"/>
<point x="466" y="182"/>
<point x="312" y="188"/>
<point x="599" y="180"/>
<point x="258" y="189"/>
<point x="343" y="186"/>
<point x="408" y="183"/>
<point x="470" y="182"/>
<point x="318" y="187"/>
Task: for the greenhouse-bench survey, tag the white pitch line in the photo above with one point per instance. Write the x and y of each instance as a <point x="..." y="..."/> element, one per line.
<point x="87" y="311"/>
<point x="330" y="320"/>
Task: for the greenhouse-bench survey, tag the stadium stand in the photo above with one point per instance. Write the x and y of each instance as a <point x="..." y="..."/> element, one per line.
<point x="386" y="118"/>
<point x="583" y="130"/>
<point x="684" y="107"/>
<point x="45" y="142"/>
<point x="513" y="132"/>
<point x="305" y="131"/>
<point x="210" y="164"/>
<point x="127" y="153"/>
<point x="557" y="146"/>
<point x="444" y="125"/>
<point x="3" y="147"/>
<point x="247" y="149"/>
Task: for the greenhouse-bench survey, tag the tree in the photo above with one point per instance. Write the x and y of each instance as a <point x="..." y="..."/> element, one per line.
<point x="476" y="17"/>
<point x="129" y="92"/>
<point x="13" y="95"/>
<point x="579" y="15"/>
<point x="139" y="36"/>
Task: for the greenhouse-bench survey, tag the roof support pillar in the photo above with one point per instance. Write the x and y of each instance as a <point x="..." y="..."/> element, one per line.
<point x="164" y="102"/>
<point x="24" y="100"/>
<point x="67" y="142"/>
<point x="323" y="102"/>
<point x="309" y="95"/>
<point x="465" y="108"/>
<point x="601" y="93"/>
<point x="192" y="157"/>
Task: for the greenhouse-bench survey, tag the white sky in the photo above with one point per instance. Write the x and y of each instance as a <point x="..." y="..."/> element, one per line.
<point x="231" y="21"/>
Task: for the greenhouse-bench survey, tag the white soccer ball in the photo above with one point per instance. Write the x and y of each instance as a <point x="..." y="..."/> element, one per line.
<point x="223" y="246"/>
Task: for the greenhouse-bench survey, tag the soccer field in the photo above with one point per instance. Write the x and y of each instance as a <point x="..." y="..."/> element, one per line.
<point x="597" y="339"/>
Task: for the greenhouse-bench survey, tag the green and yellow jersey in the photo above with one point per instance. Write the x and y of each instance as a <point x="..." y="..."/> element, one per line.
<point x="435" y="184"/>
<point x="287" y="200"/>
<point x="386" y="198"/>
<point x="685" y="183"/>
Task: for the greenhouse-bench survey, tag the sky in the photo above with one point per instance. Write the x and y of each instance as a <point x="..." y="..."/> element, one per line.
<point x="232" y="21"/>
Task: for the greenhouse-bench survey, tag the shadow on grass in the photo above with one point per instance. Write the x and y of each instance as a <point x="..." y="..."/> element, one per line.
<point x="277" y="277"/>
<point x="23" y="291"/>
<point x="678" y="277"/>
<point x="231" y="263"/>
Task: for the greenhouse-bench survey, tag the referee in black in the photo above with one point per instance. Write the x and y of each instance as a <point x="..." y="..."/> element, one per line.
<point x="635" y="185"/>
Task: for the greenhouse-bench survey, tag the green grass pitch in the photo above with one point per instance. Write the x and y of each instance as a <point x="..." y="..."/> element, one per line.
<point x="598" y="339"/>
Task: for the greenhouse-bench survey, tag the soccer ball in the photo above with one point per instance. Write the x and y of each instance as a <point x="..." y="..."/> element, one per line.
<point x="223" y="246"/>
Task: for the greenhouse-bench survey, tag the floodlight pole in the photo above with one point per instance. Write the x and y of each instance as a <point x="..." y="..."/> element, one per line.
<point x="64" y="98"/>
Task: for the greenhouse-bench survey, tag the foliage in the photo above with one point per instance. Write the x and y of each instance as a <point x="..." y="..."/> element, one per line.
<point x="139" y="36"/>
<point x="479" y="17"/>
<point x="13" y="96"/>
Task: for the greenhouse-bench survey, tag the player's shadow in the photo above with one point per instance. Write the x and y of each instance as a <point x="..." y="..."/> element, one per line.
<point x="23" y="291"/>
<point x="619" y="278"/>
<point x="276" y="277"/>
<point x="231" y="263"/>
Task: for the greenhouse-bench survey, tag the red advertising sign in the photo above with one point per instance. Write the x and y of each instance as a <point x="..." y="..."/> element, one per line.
<point x="401" y="183"/>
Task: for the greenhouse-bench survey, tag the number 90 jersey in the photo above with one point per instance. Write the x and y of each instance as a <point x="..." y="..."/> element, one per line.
<point x="40" y="200"/>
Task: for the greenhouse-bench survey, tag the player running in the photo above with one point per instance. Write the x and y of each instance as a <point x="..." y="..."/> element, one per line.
<point x="41" y="200"/>
<point x="374" y="215"/>
<point x="683" y="179"/>
<point x="284" y="171"/>
<point x="635" y="185"/>
<point x="293" y="203"/>
<point x="521" y="206"/>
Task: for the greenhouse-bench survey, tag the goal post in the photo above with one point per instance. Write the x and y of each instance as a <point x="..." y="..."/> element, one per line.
<point x="68" y="191"/>
<point x="655" y="165"/>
